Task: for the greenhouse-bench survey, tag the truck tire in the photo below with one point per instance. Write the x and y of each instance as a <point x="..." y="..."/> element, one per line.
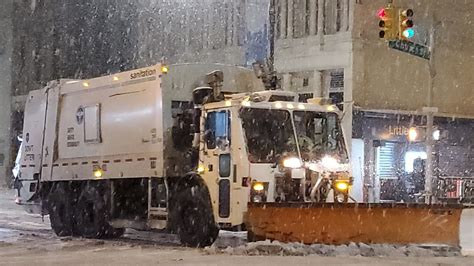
<point x="193" y="217"/>
<point x="60" y="208"/>
<point x="92" y="213"/>
<point x="112" y="232"/>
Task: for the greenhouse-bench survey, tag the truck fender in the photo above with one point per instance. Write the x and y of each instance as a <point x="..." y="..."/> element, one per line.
<point x="188" y="180"/>
<point x="190" y="212"/>
<point x="177" y="186"/>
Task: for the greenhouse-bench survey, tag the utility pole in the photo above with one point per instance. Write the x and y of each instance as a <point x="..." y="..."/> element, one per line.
<point x="430" y="111"/>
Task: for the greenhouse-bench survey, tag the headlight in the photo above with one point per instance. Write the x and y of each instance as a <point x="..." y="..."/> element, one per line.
<point x="292" y="162"/>
<point x="342" y="186"/>
<point x="330" y="162"/>
<point x="258" y="193"/>
<point x="258" y="187"/>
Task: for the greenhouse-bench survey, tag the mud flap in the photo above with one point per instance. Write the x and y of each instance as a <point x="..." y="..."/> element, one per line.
<point x="27" y="196"/>
<point x="365" y="223"/>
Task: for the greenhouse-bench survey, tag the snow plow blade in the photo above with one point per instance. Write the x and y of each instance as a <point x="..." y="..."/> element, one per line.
<point x="360" y="223"/>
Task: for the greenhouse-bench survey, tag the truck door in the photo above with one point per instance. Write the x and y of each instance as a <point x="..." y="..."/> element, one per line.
<point x="32" y="146"/>
<point x="216" y="162"/>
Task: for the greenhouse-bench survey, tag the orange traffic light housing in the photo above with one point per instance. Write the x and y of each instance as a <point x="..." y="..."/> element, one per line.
<point x="405" y="24"/>
<point x="387" y="23"/>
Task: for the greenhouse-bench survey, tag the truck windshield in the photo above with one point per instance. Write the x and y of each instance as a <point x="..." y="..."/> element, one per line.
<point x="319" y="134"/>
<point x="269" y="134"/>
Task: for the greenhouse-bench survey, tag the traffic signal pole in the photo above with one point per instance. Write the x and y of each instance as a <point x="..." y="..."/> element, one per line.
<point x="396" y="28"/>
<point x="430" y="110"/>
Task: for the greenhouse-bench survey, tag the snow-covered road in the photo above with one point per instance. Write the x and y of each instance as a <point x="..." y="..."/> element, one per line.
<point x="27" y="239"/>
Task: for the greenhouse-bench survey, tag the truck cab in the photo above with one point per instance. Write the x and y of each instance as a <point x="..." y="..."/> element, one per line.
<point x="268" y="147"/>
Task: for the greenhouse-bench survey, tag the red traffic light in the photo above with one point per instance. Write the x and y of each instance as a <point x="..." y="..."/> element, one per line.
<point x="381" y="13"/>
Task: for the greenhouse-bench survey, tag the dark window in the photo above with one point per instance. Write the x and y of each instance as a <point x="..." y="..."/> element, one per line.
<point x="339" y="14"/>
<point x="277" y="19"/>
<point x="305" y="82"/>
<point x="224" y="165"/>
<point x="336" y="97"/>
<point x="224" y="198"/>
<point x="269" y="134"/>
<point x="281" y="98"/>
<point x="308" y="16"/>
<point x="241" y="24"/>
<point x="337" y="79"/>
<point x="300" y="18"/>
<point x="318" y="134"/>
<point x="303" y="97"/>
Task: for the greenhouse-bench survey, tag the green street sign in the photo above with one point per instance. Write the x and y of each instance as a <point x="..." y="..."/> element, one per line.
<point x="410" y="48"/>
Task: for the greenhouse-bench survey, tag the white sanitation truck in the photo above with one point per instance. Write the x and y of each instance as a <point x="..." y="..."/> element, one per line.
<point x="183" y="148"/>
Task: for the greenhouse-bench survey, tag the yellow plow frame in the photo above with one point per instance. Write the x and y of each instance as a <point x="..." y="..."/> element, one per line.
<point x="329" y="223"/>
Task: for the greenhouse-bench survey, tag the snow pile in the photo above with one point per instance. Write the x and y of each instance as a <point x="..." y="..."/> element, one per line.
<point x="270" y="248"/>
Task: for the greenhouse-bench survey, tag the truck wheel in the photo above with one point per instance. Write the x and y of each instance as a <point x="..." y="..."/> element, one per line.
<point x="112" y="232"/>
<point x="92" y="213"/>
<point x="192" y="213"/>
<point x="60" y="209"/>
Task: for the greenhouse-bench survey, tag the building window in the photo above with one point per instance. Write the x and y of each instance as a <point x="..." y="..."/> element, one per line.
<point x="333" y="85"/>
<point x="339" y="14"/>
<point x="227" y="24"/>
<point x="300" y="81"/>
<point x="325" y="18"/>
<point x="305" y="82"/>
<point x="337" y="98"/>
<point x="337" y="80"/>
<point x="307" y="17"/>
<point x="241" y="23"/>
<point x="347" y="15"/>
<point x="277" y="19"/>
<point x="299" y="18"/>
<point x="386" y="165"/>
<point x="304" y="18"/>
<point x="315" y="16"/>
<point x="329" y="17"/>
<point x="282" y="18"/>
